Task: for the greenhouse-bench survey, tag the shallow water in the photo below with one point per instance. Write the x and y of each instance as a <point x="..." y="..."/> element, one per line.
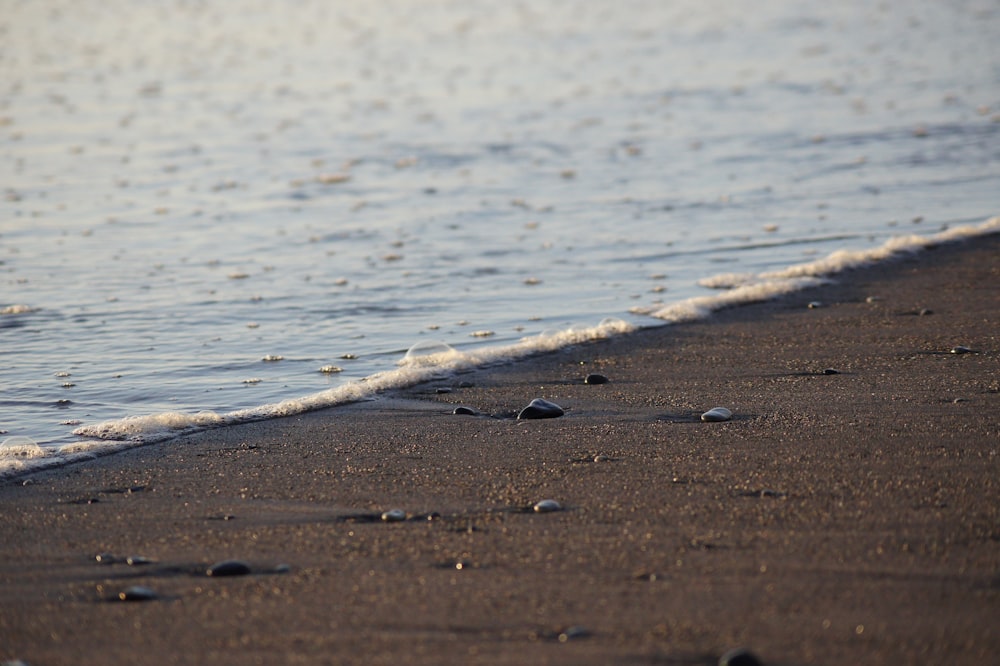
<point x="189" y="189"/>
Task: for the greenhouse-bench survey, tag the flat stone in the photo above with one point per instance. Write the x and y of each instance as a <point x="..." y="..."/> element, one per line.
<point x="394" y="516"/>
<point x="466" y="411"/>
<point x="137" y="593"/>
<point x="541" y="409"/>
<point x="595" y="378"/>
<point x="717" y="414"/>
<point x="228" y="568"/>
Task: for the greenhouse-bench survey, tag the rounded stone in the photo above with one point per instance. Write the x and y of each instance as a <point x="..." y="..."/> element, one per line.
<point x="394" y="516"/>
<point x="465" y="411"/>
<point x="229" y="568"/>
<point x="960" y="349"/>
<point x="595" y="378"/>
<point x="831" y="371"/>
<point x="541" y="409"/>
<point x="547" y="506"/>
<point x="717" y="414"/>
<point x="137" y="593"/>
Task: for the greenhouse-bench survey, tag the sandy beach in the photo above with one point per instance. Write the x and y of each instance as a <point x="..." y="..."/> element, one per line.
<point x="848" y="513"/>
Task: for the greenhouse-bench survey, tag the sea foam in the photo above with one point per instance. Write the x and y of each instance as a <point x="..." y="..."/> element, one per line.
<point x="745" y="288"/>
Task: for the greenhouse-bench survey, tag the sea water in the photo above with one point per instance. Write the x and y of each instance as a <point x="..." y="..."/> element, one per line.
<point x="219" y="212"/>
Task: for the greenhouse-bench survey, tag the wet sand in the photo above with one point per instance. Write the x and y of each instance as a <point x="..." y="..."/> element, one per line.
<point x="851" y="517"/>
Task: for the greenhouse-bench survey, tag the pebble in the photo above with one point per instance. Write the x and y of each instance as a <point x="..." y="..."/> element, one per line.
<point x="814" y="305"/>
<point x="547" y="506"/>
<point x="394" y="516"/>
<point x="137" y="593"/>
<point x="541" y="409"/>
<point x="229" y="568"/>
<point x="138" y="560"/>
<point x="739" y="657"/>
<point x="831" y="371"/>
<point x="596" y="379"/>
<point x="465" y="411"/>
<point x="960" y="350"/>
<point x="717" y="414"/>
<point x="572" y="633"/>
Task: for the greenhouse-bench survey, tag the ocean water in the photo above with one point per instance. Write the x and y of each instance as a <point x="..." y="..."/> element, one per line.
<point x="217" y="212"/>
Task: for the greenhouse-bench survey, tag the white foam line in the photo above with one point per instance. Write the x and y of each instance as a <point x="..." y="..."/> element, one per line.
<point x="749" y="288"/>
<point x="413" y="369"/>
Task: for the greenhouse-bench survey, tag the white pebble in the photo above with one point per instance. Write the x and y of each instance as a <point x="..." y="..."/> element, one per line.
<point x="717" y="414"/>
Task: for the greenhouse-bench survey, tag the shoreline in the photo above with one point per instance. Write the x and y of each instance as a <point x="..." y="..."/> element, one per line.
<point x="842" y="517"/>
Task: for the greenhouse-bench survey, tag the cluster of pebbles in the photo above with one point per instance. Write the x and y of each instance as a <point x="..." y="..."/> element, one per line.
<point x="539" y="408"/>
<point x="222" y="569"/>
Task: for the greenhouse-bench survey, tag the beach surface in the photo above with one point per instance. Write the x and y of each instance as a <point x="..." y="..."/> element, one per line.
<point x="848" y="513"/>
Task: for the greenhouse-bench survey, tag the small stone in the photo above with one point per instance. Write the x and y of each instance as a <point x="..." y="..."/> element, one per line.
<point x="595" y="378"/>
<point x="717" y="414"/>
<point x="739" y="657"/>
<point x="228" y="568"/>
<point x="465" y="411"/>
<point x="441" y="390"/>
<point x="600" y="457"/>
<point x="394" y="516"/>
<point x="831" y="371"/>
<point x="138" y="560"/>
<point x="107" y="558"/>
<point x="541" y="409"/>
<point x="924" y="312"/>
<point x="813" y="305"/>
<point x="960" y="350"/>
<point x="547" y="506"/>
<point x="572" y="633"/>
<point x="137" y="593"/>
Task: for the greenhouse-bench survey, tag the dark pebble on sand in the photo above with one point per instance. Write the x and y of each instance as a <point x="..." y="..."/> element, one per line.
<point x="960" y="350"/>
<point x="573" y="633"/>
<point x="442" y="390"/>
<point x="466" y="411"/>
<point x="228" y="568"/>
<point x="831" y="371"/>
<point x="547" y="506"/>
<point x="137" y="593"/>
<point x="595" y="378"/>
<point x="739" y="657"/>
<point x="541" y="409"/>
